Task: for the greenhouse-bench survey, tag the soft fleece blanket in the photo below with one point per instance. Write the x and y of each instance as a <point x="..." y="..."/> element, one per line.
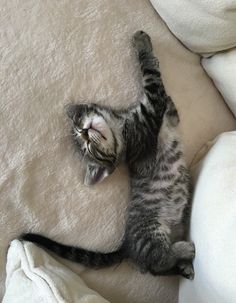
<point x="33" y="276"/>
<point x="53" y="52"/>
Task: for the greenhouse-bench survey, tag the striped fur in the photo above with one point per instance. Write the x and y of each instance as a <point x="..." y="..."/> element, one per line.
<point x="144" y="137"/>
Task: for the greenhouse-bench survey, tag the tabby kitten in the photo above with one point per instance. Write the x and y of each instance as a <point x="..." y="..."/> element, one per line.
<point x="144" y="137"/>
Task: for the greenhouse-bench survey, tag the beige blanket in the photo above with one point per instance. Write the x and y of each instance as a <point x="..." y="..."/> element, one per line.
<point x="53" y="51"/>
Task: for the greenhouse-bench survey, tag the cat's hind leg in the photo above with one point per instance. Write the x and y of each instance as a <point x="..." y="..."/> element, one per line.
<point x="186" y="269"/>
<point x="171" y="259"/>
<point x="185" y="253"/>
<point x="183" y="250"/>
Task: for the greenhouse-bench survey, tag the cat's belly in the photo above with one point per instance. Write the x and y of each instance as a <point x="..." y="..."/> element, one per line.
<point x="163" y="203"/>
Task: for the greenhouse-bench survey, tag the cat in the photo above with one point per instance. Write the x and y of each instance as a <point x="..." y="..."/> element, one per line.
<point x="144" y="136"/>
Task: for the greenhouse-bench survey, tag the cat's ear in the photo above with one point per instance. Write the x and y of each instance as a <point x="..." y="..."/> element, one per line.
<point x="71" y="110"/>
<point x="95" y="174"/>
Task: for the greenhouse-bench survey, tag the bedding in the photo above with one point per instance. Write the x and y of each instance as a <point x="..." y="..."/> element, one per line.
<point x="203" y="26"/>
<point x="213" y="226"/>
<point x="207" y="28"/>
<point x="222" y="69"/>
<point x="35" y="277"/>
<point x="55" y="52"/>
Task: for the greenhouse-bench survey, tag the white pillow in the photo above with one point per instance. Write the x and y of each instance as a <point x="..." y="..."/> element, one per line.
<point x="35" y="277"/>
<point x="203" y="26"/>
<point x="222" y="69"/>
<point x="207" y="27"/>
<point x="213" y="227"/>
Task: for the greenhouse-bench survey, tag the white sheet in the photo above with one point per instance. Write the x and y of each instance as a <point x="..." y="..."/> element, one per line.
<point x="53" y="51"/>
<point x="213" y="227"/>
<point x="35" y="277"/>
<point x="222" y="69"/>
<point x="204" y="26"/>
<point x="207" y="27"/>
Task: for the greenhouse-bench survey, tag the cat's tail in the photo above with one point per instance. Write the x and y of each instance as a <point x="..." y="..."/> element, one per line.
<point x="86" y="257"/>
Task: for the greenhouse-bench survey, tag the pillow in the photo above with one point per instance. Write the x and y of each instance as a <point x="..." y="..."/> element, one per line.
<point x="35" y="277"/>
<point x="213" y="227"/>
<point x="207" y="27"/>
<point x="203" y="26"/>
<point x="222" y="69"/>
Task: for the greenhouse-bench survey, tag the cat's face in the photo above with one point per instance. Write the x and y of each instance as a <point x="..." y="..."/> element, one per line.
<point x="97" y="134"/>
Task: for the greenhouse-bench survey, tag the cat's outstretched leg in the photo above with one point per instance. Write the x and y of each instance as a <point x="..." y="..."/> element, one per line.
<point x="156" y="100"/>
<point x="146" y="116"/>
<point x="151" y="76"/>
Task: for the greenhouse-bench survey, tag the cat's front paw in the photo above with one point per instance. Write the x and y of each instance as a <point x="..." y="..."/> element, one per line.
<point x="142" y="42"/>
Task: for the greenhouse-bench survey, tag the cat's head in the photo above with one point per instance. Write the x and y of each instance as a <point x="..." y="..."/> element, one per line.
<point x="97" y="132"/>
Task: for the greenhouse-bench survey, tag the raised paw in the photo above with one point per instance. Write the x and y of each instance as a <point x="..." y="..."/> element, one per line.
<point x="142" y="42"/>
<point x="184" y="250"/>
<point x="186" y="270"/>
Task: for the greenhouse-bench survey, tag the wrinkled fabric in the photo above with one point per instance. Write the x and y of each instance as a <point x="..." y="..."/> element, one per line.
<point x="35" y="277"/>
<point x="222" y="69"/>
<point x="53" y="52"/>
<point x="204" y="26"/>
<point x="208" y="28"/>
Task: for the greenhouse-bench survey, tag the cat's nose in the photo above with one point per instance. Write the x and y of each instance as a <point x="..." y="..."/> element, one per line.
<point x="84" y="133"/>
